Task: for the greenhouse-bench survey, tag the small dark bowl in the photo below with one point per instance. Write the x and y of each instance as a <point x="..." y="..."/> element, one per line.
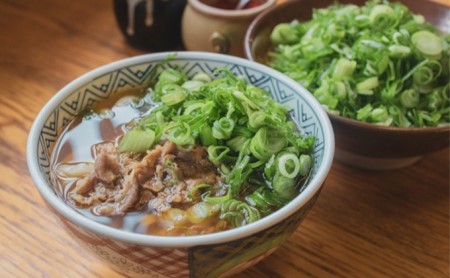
<point x="360" y="144"/>
<point x="150" y="25"/>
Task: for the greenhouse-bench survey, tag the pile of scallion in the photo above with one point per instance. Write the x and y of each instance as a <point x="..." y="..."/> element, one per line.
<point x="262" y="155"/>
<point x="377" y="63"/>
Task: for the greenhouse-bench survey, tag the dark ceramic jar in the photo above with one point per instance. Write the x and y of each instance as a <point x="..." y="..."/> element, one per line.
<point x="150" y="24"/>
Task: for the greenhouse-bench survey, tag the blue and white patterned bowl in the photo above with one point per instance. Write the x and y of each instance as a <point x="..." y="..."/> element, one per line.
<point x="211" y="255"/>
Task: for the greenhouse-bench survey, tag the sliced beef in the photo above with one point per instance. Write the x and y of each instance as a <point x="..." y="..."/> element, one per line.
<point x="194" y="163"/>
<point x="160" y="178"/>
<point x="107" y="167"/>
<point x="123" y="200"/>
<point x="144" y="198"/>
<point x="169" y="148"/>
<point x="84" y="185"/>
<point x="89" y="191"/>
<point x="104" y="147"/>
<point x="154" y="186"/>
<point x="208" y="178"/>
<point x="147" y="167"/>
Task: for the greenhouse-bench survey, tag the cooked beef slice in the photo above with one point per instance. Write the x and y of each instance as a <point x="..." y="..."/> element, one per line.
<point x="107" y="167"/>
<point x="160" y="178"/>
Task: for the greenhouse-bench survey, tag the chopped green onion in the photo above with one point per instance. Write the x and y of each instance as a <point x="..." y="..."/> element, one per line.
<point x="216" y="154"/>
<point x="258" y="200"/>
<point x="239" y="213"/>
<point x="222" y="128"/>
<point x="439" y="98"/>
<point x="305" y="162"/>
<point x="171" y="76"/>
<point x="367" y="86"/>
<point x="137" y="140"/>
<point x="202" y="211"/>
<point x="409" y="98"/>
<point x="351" y="56"/>
<point x="400" y="51"/>
<point x="289" y="165"/>
<point x="364" y="113"/>
<point x="192" y="85"/>
<point x="427" y="43"/>
<point x="218" y="199"/>
<point x="202" y="77"/>
<point x="305" y="144"/>
<point x="284" y="34"/>
<point x="379" y="114"/>
<point x="425" y="76"/>
<point x="195" y="191"/>
<point x="257" y="119"/>
<point x="382" y="17"/>
<point x="206" y="136"/>
<point x="238" y="175"/>
<point x="174" y="97"/>
<point x="180" y="134"/>
<point x="344" y="69"/>
<point x="283" y="186"/>
<point x="270" y="168"/>
<point x="267" y="142"/>
<point x="237" y="143"/>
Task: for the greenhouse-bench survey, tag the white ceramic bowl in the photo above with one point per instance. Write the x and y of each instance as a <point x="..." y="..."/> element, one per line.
<point x="208" y="255"/>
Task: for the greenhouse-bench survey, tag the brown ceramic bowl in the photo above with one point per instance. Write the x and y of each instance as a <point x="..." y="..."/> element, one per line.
<point x="360" y="144"/>
<point x="206" y="28"/>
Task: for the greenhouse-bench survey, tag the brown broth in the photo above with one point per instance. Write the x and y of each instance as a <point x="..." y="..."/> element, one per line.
<point x="75" y="147"/>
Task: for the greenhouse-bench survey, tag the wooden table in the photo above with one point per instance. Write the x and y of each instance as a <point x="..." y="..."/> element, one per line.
<point x="365" y="223"/>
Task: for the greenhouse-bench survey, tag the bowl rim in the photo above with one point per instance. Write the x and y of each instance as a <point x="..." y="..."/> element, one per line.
<point x="384" y="128"/>
<point x="48" y="194"/>
<point x="248" y="41"/>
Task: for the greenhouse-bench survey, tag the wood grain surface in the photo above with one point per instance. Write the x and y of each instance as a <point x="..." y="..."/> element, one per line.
<point x="364" y="224"/>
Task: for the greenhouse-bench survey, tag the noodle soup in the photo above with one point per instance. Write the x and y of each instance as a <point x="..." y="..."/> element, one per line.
<point x="182" y="156"/>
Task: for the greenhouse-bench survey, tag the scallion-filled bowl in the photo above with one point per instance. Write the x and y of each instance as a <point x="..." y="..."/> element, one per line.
<point x="154" y="163"/>
<point x="380" y="89"/>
